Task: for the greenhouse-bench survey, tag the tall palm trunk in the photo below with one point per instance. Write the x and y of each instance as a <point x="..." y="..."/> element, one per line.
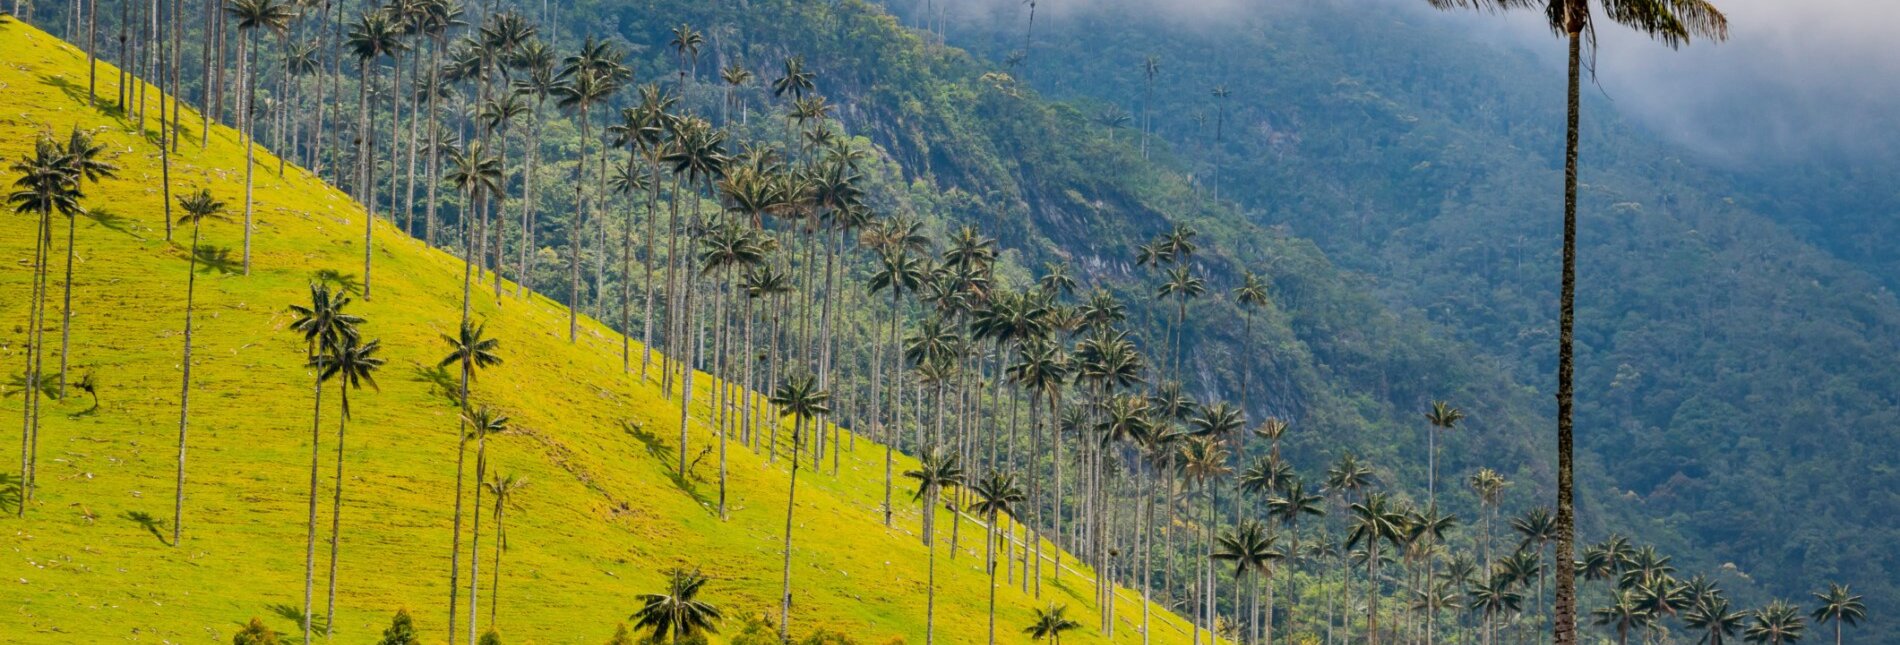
<point x="66" y="309"/>
<point x="791" y="502"/>
<point x="930" y="585"/>
<point x="435" y="142"/>
<point x="310" y="539"/>
<point x="897" y="402"/>
<point x="336" y="508"/>
<point x="575" y="232"/>
<point x="475" y="536"/>
<point x="1565" y="628"/>
<point x="626" y="274"/>
<point x="366" y="191"/>
<point x="646" y="315"/>
<point x="989" y="563"/>
<point x="689" y="327"/>
<point x="248" y="127"/>
<point x="461" y="437"/>
<point x="409" y="150"/>
<point x="184" y="393"/>
<point x="36" y="323"/>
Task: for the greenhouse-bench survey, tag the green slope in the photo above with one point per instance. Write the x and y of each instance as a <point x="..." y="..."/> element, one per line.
<point x="601" y="521"/>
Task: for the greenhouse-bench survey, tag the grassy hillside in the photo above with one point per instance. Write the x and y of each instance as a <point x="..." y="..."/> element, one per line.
<point x="601" y="521"/>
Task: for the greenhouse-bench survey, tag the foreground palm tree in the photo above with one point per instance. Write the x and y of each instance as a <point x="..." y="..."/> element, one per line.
<point x="352" y="365"/>
<point x="1838" y="605"/>
<point x="324" y="325"/>
<point x="1049" y="625"/>
<point x="678" y="612"/>
<point x="46" y="185"/>
<point x="1674" y="23"/>
<point x="504" y="488"/>
<point x="199" y="207"/>
<point x="481" y="423"/>
<point x="938" y="470"/>
<point x="84" y="162"/>
<point x="996" y="495"/>
<point x="1712" y="617"/>
<point x="469" y="350"/>
<point x="800" y="399"/>
<point x="1250" y="548"/>
<point x="1779" y="623"/>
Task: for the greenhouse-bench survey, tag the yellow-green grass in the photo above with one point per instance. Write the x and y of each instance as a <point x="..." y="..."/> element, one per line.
<point x="600" y="523"/>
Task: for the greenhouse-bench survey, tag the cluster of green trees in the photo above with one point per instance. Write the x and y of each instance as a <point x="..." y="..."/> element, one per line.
<point x="797" y="241"/>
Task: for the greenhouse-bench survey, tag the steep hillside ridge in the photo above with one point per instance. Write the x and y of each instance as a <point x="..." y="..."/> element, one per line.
<point x="602" y="518"/>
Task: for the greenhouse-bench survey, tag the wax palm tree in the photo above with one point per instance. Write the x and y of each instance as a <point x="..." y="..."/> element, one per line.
<point x="801" y="399"/>
<point x="324" y="325"/>
<point x="1183" y="285"/>
<point x="476" y="173"/>
<point x="1442" y="417"/>
<point x="85" y="161"/>
<point x="1251" y="295"/>
<point x="1291" y="507"/>
<point x="1712" y="617"/>
<point x="481" y="423"/>
<point x="686" y="43"/>
<point x="734" y="246"/>
<point x="1779" y="623"/>
<point x="499" y="115"/>
<point x="470" y="350"/>
<point x="1489" y="487"/>
<point x="735" y="76"/>
<point x="375" y="35"/>
<point x="251" y="16"/>
<point x="503" y="489"/>
<point x="699" y="155"/>
<point x="678" y="612"/>
<point x="352" y="365"/>
<point x="1623" y="614"/>
<point x="997" y="494"/>
<point x="1251" y="550"/>
<point x="1050" y="624"/>
<point x="897" y="271"/>
<point x="939" y="469"/>
<point x="581" y="86"/>
<point x="1537" y="529"/>
<point x="1674" y="24"/>
<point x="1491" y="597"/>
<point x="647" y="132"/>
<point x="199" y="208"/>
<point x="1374" y="520"/>
<point x="47" y="185"/>
<point x="1839" y="605"/>
<point x="1204" y="462"/>
<point x="795" y="80"/>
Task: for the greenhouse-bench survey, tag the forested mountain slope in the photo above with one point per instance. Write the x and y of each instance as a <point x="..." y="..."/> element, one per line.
<point x="1737" y="384"/>
<point x="601" y="519"/>
<point x="968" y="149"/>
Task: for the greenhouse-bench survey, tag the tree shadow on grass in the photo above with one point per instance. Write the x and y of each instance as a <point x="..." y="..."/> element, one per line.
<point x="318" y="622"/>
<point x="109" y="219"/>
<point x="215" y="258"/>
<point x="664" y="452"/>
<point x="344" y="282"/>
<point x="441" y="383"/>
<point x="78" y="92"/>
<point x="149" y="523"/>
